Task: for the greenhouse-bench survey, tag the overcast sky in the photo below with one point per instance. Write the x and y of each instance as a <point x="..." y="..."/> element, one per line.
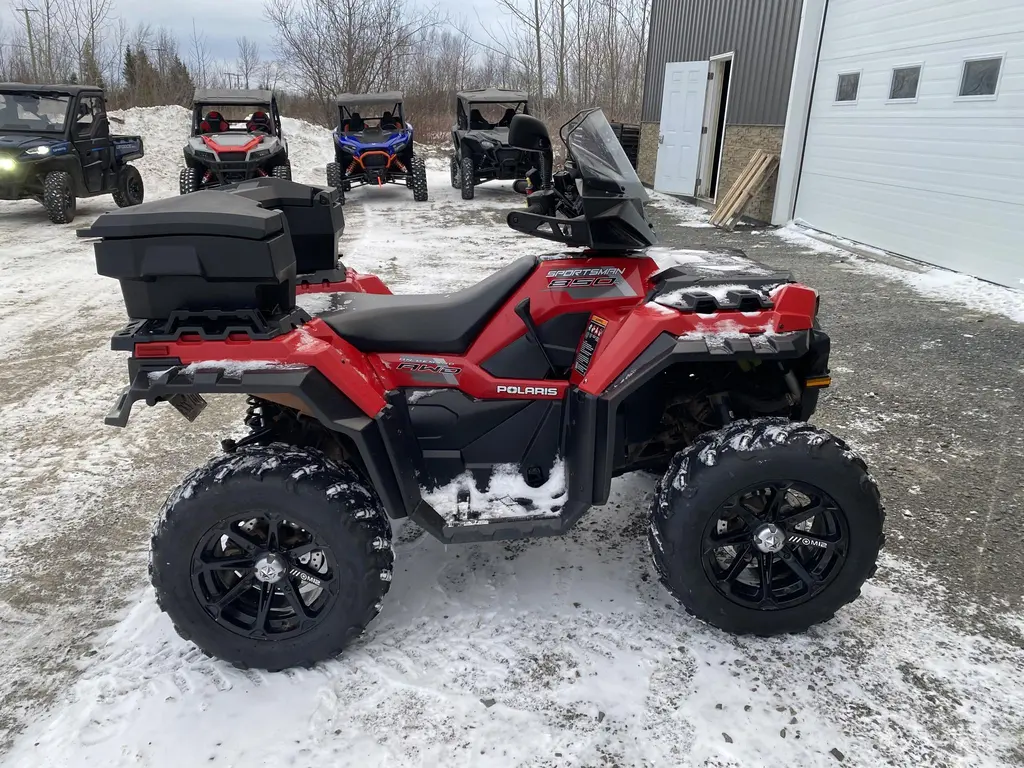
<point x="222" y="21"/>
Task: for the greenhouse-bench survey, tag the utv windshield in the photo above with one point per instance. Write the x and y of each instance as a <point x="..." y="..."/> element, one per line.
<point x="33" y="112"/>
<point x="599" y="156"/>
<point x="245" y="118"/>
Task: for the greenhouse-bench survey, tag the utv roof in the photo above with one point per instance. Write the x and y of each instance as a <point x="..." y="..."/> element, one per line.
<point x="70" y="90"/>
<point x="484" y="95"/>
<point x="357" y="99"/>
<point x="231" y="96"/>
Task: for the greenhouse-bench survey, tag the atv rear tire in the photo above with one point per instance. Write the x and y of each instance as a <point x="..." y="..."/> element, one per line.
<point x="59" y="197"/>
<point x="272" y="557"/>
<point x="468" y="178"/>
<point x="188" y="181"/>
<point x="762" y="502"/>
<point x="130" y="189"/>
<point x="419" y="180"/>
<point x="282" y="172"/>
<point x="456" y="173"/>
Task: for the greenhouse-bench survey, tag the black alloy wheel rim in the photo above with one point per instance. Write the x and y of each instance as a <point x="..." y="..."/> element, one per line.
<point x="135" y="190"/>
<point x="264" y="577"/>
<point x="775" y="545"/>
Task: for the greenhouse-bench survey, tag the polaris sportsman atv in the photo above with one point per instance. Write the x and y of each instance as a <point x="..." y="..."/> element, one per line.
<point x="236" y="135"/>
<point x="480" y="138"/>
<point x="501" y="411"/>
<point x="56" y="146"/>
<point x="373" y="145"/>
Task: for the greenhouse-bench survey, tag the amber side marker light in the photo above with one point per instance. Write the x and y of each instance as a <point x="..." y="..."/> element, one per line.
<point x="818" y="381"/>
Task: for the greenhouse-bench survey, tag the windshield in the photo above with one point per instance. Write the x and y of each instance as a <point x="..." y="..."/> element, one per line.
<point x="246" y="118"/>
<point x="35" y="112"/>
<point x="369" y="116"/>
<point x="599" y="156"/>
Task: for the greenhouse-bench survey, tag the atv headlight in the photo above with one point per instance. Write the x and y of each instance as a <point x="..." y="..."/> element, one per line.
<point x="43" y="150"/>
<point x="7" y="164"/>
<point x="488" y="144"/>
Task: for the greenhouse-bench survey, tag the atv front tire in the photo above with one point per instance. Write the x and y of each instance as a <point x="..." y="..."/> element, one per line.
<point x="456" y="173"/>
<point x="766" y="527"/>
<point x="188" y="181"/>
<point x="282" y="172"/>
<point x="130" y="189"/>
<point x="59" y="197"/>
<point x="272" y="557"/>
<point x="336" y="179"/>
<point x="419" y="180"/>
<point x="468" y="178"/>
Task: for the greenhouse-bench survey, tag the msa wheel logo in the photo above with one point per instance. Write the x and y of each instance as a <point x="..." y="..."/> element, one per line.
<point x="303" y="576"/>
<point x="429" y="368"/>
<point x="803" y="541"/>
<point x="514" y="390"/>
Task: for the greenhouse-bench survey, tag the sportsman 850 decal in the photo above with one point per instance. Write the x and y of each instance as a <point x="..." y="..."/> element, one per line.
<point x="590" y="282"/>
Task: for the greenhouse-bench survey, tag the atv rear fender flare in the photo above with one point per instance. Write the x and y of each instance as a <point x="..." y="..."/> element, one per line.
<point x="384" y="442"/>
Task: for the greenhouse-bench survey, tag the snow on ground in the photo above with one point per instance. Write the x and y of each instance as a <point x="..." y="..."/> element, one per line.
<point x="934" y="283"/>
<point x="557" y="652"/>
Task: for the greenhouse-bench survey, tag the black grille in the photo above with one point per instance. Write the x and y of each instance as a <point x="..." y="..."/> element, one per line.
<point x="374" y="161"/>
<point x="232" y="157"/>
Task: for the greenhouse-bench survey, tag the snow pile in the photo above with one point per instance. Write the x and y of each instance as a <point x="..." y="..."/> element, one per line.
<point x="932" y="283"/>
<point x="164" y="131"/>
<point x="686" y="215"/>
<point x="235" y="368"/>
<point x="508" y="497"/>
<point x="705" y="262"/>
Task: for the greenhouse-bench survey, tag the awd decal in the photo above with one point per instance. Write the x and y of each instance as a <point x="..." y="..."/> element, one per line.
<point x="430" y="368"/>
<point x="591" y="338"/>
<point x="516" y="390"/>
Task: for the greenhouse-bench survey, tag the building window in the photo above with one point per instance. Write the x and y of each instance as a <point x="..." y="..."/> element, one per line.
<point x="904" y="83"/>
<point x="981" y="76"/>
<point x="846" y="88"/>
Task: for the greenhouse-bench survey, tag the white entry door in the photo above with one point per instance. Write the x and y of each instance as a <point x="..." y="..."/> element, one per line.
<point x="682" y="118"/>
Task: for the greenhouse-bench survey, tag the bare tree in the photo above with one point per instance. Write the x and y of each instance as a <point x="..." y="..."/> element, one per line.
<point x="248" y="62"/>
<point x="199" y="57"/>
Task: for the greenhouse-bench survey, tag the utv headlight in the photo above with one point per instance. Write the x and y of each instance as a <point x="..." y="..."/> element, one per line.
<point x="7" y="164"/>
<point x="258" y="154"/>
<point x="204" y="154"/>
<point x="43" y="150"/>
<point x="400" y="146"/>
<point x="488" y="144"/>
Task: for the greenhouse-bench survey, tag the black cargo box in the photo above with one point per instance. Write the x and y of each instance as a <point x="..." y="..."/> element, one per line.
<point x="315" y="218"/>
<point x="205" y="251"/>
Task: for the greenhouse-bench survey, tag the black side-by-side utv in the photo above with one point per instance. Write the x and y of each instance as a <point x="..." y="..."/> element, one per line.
<point x="481" y="151"/>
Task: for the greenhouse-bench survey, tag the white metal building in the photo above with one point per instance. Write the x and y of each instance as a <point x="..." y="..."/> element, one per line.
<point x="905" y="130"/>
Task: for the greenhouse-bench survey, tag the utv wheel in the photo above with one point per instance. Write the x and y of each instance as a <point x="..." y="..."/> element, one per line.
<point x="188" y="181"/>
<point x="272" y="557"/>
<point x="766" y="527"/>
<point x="59" y="197"/>
<point x="468" y="178"/>
<point x="520" y="186"/>
<point x="335" y="178"/>
<point x="456" y="172"/>
<point x="130" y="189"/>
<point x="282" y="172"/>
<point x="419" y="180"/>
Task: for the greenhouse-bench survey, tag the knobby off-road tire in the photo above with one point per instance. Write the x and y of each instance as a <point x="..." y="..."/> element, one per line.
<point x="130" y="190"/>
<point x="322" y="511"/>
<point x="336" y="179"/>
<point x="419" y="180"/>
<point x="468" y="178"/>
<point x="708" y="539"/>
<point x="456" y="170"/>
<point x="59" y="197"/>
<point x="282" y="172"/>
<point x="188" y="181"/>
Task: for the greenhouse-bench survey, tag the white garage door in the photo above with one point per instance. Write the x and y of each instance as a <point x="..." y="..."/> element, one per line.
<point x="915" y="142"/>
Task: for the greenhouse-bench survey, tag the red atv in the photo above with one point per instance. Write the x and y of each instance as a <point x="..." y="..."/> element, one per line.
<point x="502" y="411"/>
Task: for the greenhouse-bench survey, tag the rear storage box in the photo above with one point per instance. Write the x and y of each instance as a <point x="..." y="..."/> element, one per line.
<point x="314" y="215"/>
<point x="205" y="251"/>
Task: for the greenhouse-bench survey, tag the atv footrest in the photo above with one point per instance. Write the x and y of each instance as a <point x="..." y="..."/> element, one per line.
<point x="211" y="325"/>
<point x="496" y="530"/>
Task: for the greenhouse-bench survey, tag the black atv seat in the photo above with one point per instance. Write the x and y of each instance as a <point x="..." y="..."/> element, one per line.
<point x="430" y="323"/>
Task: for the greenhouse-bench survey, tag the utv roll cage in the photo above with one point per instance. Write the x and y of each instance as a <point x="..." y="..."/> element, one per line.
<point x="465" y="101"/>
<point x="351" y="121"/>
<point x="264" y="100"/>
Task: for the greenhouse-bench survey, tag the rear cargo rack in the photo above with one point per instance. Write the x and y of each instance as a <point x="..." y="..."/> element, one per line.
<point x="209" y="325"/>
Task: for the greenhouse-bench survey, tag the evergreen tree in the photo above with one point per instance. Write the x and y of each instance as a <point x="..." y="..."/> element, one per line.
<point x="131" y="75"/>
